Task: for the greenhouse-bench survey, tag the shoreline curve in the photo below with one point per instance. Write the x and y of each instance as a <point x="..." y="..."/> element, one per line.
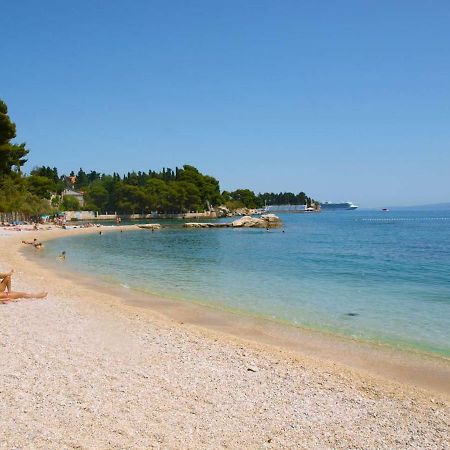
<point x="415" y="369"/>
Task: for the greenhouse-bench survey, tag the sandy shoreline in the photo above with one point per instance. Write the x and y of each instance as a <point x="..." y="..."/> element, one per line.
<point x="88" y="370"/>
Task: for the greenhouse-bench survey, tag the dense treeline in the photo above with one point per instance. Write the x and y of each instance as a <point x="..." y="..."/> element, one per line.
<point x="167" y="191"/>
<point x="248" y="199"/>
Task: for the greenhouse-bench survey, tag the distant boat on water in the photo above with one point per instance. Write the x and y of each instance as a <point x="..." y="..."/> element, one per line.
<point x="328" y="206"/>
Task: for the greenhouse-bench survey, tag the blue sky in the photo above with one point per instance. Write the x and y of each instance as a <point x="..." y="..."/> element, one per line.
<point x="345" y="100"/>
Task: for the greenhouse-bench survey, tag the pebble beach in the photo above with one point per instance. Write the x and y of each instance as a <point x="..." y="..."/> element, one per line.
<point x="84" y="369"/>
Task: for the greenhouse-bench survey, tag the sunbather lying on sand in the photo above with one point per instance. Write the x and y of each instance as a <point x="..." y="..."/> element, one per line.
<point x="11" y="296"/>
<point x="37" y="245"/>
<point x="6" y="295"/>
<point x="33" y="242"/>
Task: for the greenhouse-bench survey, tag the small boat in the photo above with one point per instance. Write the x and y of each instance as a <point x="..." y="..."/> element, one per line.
<point x="384" y="209"/>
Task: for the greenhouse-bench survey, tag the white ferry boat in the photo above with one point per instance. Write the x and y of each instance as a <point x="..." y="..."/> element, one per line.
<point x="328" y="206"/>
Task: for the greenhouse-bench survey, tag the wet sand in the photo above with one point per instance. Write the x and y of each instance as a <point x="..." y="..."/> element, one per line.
<point x="111" y="369"/>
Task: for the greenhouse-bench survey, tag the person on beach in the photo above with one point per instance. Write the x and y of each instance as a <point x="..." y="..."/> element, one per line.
<point x="5" y="283"/>
<point x="7" y="295"/>
<point x="37" y="245"/>
<point x="33" y="242"/>
<point x="11" y="296"/>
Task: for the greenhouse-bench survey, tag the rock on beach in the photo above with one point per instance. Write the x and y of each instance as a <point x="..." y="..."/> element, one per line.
<point x="265" y="221"/>
<point x="150" y="226"/>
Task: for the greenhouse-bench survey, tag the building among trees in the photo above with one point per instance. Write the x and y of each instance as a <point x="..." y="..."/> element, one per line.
<point x="78" y="196"/>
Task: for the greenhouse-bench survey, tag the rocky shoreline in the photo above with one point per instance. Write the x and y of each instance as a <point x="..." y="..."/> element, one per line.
<point x="265" y="221"/>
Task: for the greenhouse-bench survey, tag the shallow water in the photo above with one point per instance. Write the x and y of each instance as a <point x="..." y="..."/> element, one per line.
<point x="375" y="276"/>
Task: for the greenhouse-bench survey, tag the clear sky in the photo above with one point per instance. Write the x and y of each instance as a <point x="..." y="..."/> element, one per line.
<point x="346" y="100"/>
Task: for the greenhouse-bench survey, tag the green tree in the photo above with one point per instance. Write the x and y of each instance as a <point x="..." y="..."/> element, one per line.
<point x="246" y="197"/>
<point x="41" y="186"/>
<point x="157" y="194"/>
<point x="47" y="172"/>
<point x="12" y="156"/>
<point x="132" y="199"/>
<point x="14" y="197"/>
<point x="208" y="187"/>
<point x="70" y="203"/>
<point x="82" y="179"/>
<point x="97" y="196"/>
<point x="189" y="197"/>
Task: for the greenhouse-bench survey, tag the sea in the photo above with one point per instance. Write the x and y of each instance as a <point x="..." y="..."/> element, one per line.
<point x="374" y="276"/>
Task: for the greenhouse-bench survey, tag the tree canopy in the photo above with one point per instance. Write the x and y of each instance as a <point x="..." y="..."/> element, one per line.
<point x="12" y="156"/>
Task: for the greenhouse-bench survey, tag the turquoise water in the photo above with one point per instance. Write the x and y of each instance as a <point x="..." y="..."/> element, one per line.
<point x="375" y="276"/>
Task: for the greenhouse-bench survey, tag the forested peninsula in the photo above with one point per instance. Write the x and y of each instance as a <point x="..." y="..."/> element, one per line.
<point x="167" y="191"/>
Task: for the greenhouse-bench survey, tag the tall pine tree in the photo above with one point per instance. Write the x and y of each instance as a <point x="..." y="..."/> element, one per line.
<point x="12" y="156"/>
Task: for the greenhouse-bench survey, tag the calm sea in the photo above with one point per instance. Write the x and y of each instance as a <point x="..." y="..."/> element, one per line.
<point x="375" y="276"/>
